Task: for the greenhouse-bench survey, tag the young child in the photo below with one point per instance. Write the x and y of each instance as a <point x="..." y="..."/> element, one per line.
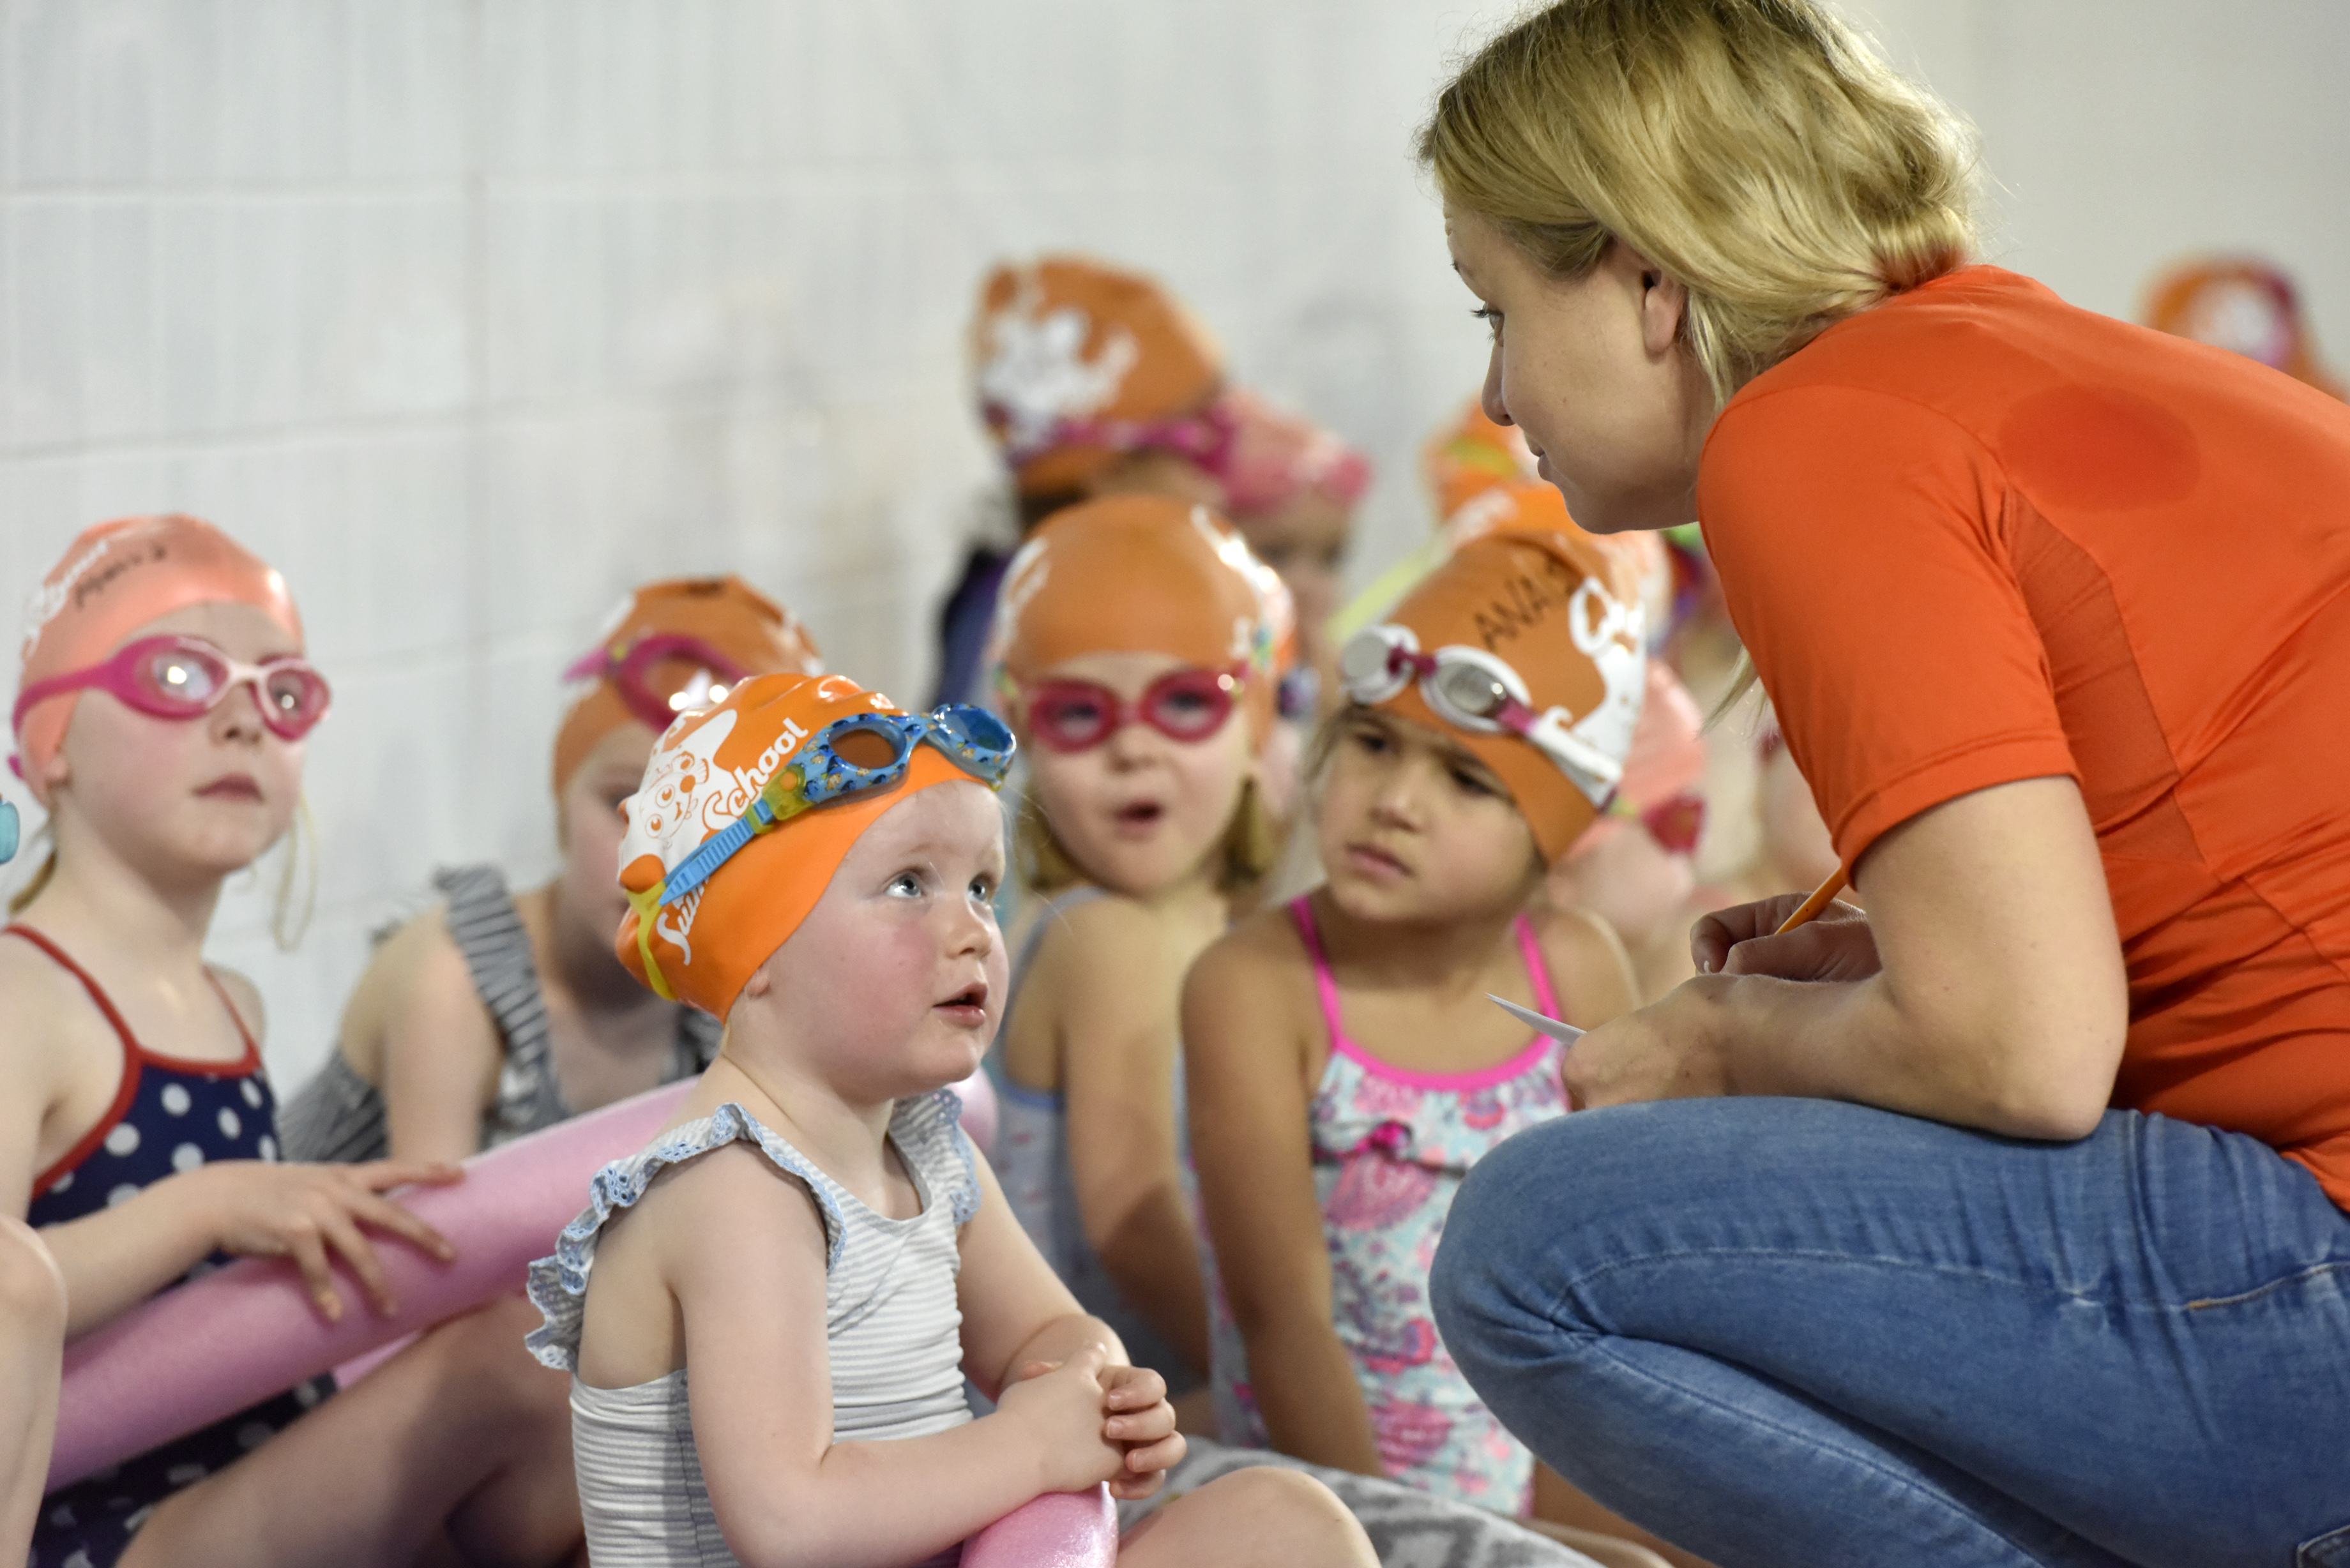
<point x="1136" y="655"/>
<point x="1092" y="381"/>
<point x="493" y="1016"/>
<point x="770" y="1312"/>
<point x="161" y="718"/>
<point x="1346" y="1067"/>
<point x="1290" y="488"/>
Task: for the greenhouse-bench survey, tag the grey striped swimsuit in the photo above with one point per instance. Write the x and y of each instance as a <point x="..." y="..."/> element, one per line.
<point x="339" y="1116"/>
<point x="892" y="1331"/>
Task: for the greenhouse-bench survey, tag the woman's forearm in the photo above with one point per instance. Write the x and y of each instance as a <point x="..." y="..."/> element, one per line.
<point x="1149" y="1253"/>
<point x="1854" y="1041"/>
<point x="1305" y="1388"/>
<point x="119" y="1256"/>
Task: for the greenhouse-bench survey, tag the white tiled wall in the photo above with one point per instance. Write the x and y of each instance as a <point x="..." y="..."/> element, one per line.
<point x="470" y="313"/>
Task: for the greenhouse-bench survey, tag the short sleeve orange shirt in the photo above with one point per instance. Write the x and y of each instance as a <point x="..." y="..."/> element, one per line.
<point x="1975" y="535"/>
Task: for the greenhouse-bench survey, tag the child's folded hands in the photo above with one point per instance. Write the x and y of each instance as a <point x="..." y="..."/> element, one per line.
<point x="1128" y="1416"/>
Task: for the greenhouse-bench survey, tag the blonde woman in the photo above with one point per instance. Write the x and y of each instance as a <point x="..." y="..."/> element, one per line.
<point x="2002" y="1224"/>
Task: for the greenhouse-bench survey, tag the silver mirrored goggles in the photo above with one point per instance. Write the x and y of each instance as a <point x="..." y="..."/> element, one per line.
<point x="1477" y="691"/>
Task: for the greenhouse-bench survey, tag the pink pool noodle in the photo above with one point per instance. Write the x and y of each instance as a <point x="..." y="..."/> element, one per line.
<point x="978" y="1096"/>
<point x="1060" y="1530"/>
<point x="207" y="1350"/>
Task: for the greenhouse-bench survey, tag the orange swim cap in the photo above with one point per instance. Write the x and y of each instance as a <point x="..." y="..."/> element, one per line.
<point x="115" y="578"/>
<point x="727" y="616"/>
<point x="1471" y="455"/>
<point x="1664" y="767"/>
<point x="1143" y="574"/>
<point x="2244" y="305"/>
<point x="1077" y="362"/>
<point x="1564" y="617"/>
<point x="705" y="776"/>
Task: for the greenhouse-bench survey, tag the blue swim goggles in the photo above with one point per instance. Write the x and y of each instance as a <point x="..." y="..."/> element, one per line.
<point x="975" y="739"/>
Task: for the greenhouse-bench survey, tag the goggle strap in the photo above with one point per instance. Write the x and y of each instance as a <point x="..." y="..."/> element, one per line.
<point x="782" y="797"/>
<point x="647" y="904"/>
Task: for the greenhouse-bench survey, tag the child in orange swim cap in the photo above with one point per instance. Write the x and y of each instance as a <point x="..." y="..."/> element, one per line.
<point x="1292" y="489"/>
<point x="164" y="713"/>
<point x="496" y="1014"/>
<point x="1136" y="654"/>
<point x="1092" y="380"/>
<point x="823" y="1257"/>
<point x="1345" y="1066"/>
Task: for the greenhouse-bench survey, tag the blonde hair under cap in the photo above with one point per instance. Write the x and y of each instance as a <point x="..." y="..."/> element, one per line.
<point x="1759" y="152"/>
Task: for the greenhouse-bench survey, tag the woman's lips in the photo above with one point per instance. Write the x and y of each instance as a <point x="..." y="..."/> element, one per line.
<point x="1376" y="863"/>
<point x="232" y="786"/>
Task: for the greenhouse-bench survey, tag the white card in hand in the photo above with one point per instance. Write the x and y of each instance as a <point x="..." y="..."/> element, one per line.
<point x="1567" y="1033"/>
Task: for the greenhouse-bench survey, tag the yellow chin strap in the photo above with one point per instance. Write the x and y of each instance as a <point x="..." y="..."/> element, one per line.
<point x="647" y="904"/>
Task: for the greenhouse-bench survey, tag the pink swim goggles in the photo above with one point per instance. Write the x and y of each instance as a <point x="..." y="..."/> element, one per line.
<point x="183" y="676"/>
<point x="713" y="675"/>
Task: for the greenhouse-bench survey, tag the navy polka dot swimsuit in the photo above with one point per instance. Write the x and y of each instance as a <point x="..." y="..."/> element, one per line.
<point x="169" y="1116"/>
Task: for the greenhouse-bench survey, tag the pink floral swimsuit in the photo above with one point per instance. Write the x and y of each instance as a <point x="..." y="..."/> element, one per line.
<point x="1390" y="1148"/>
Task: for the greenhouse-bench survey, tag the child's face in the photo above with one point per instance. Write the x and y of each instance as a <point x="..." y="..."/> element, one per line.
<point x="190" y="798"/>
<point x="1141" y="811"/>
<point x="589" y="815"/>
<point x="1413" y="827"/>
<point x="894" y="983"/>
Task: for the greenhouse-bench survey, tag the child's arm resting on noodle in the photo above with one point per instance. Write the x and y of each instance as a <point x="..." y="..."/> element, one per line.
<point x="1252" y="1146"/>
<point x="759" y="1379"/>
<point x="118" y="1257"/>
<point x="1020" y="1321"/>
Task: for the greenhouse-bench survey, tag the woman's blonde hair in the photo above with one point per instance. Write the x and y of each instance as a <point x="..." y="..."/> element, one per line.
<point x="1250" y="850"/>
<point x="1759" y="152"/>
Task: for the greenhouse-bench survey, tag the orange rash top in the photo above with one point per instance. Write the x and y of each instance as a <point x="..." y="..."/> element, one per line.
<point x="1975" y="535"/>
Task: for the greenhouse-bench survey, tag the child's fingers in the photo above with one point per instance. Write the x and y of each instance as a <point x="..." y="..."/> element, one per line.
<point x="383" y="1214"/>
<point x="344" y="1236"/>
<point x="1133" y="1489"/>
<point x="1163" y="1455"/>
<point x="1033" y="1369"/>
<point x="1138" y="1388"/>
<point x="309" y="1255"/>
<point x="1142" y="1426"/>
<point x="380" y="1175"/>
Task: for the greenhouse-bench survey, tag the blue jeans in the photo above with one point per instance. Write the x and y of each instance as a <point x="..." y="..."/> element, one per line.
<point x="1805" y="1332"/>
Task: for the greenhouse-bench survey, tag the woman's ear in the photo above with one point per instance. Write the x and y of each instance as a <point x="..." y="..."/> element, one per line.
<point x="1664" y="303"/>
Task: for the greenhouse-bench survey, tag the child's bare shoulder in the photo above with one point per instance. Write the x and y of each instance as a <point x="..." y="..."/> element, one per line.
<point x="46" y="1003"/>
<point x="1587" y="959"/>
<point x="1262" y="945"/>
<point x="1255" y="972"/>
<point x="1109" y="926"/>
<point x="734" y="1192"/>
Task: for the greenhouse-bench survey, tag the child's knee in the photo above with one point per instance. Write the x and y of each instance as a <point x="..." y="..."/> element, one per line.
<point x="32" y="1291"/>
<point x="1283" y="1512"/>
<point x="481" y="1359"/>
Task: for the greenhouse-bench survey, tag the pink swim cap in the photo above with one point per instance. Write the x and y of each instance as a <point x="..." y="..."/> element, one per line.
<point x="116" y="577"/>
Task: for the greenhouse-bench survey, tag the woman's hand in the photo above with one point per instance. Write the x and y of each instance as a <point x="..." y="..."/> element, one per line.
<point x="1671" y="1049"/>
<point x="1837" y="945"/>
<point x="1061" y="1405"/>
<point x="259" y="1209"/>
